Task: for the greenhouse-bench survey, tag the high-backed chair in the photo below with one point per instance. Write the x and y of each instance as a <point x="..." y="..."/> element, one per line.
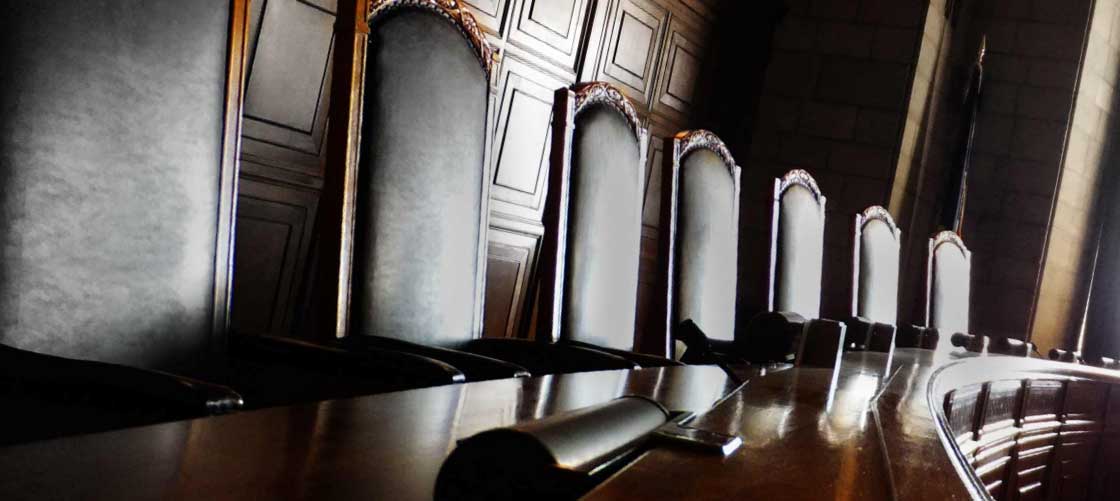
<point x="790" y="330"/>
<point x="700" y="216"/>
<point x="793" y="330"/>
<point x="948" y="277"/>
<point x="589" y="263"/>
<point x="411" y="232"/>
<point x="109" y="295"/>
<point x="875" y="266"/>
<point x="948" y="284"/>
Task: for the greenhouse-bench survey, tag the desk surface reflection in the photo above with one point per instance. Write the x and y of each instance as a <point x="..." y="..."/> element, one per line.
<point x="386" y="446"/>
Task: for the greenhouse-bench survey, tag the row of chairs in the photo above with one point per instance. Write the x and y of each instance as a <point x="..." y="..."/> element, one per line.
<point x="405" y="300"/>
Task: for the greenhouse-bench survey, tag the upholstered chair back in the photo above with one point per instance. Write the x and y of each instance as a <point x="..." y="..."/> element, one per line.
<point x="593" y="217"/>
<point x="422" y="181"/>
<point x="875" y="266"/>
<point x="797" y="245"/>
<point x="949" y="274"/>
<point x="703" y="232"/>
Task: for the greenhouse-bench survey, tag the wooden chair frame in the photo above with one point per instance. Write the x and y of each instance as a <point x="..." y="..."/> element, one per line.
<point x="568" y="104"/>
<point x="942" y="238"/>
<point x="873" y="213"/>
<point x="797" y="177"/>
<point x="337" y="217"/>
<point x="679" y="146"/>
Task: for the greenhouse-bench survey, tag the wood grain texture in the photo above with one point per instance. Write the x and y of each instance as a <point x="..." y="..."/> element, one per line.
<point x="873" y="431"/>
<point x="386" y="446"/>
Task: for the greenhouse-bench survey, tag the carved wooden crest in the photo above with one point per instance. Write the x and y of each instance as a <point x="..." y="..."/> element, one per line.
<point x="877" y="212"/>
<point x="948" y="237"/>
<point x="453" y="11"/>
<point x="802" y="178"/>
<point x="691" y="140"/>
<point x="593" y="93"/>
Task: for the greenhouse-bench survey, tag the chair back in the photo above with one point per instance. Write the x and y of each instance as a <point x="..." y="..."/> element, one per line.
<point x="422" y="183"/>
<point x="701" y="238"/>
<point x="593" y="218"/>
<point x="118" y="182"/>
<point x="948" y="277"/>
<point x="796" y="245"/>
<point x="875" y="265"/>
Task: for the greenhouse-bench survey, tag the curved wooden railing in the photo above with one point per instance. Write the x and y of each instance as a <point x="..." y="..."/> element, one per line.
<point x="1022" y="429"/>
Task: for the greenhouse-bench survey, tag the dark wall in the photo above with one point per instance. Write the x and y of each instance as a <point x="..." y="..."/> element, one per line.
<point x="111" y="116"/>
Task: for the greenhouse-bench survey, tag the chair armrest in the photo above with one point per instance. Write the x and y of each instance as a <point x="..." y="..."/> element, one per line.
<point x="882" y="338"/>
<point x="278" y="371"/>
<point x="639" y="358"/>
<point x="112" y="385"/>
<point x="970" y="342"/>
<point x="1103" y="362"/>
<point x="474" y="367"/>
<point x="821" y="344"/>
<point x="916" y="336"/>
<point x="547" y="358"/>
<point x="774" y="337"/>
<point x="1060" y="355"/>
<point x="1010" y="346"/>
<point x="859" y="333"/>
<point x="702" y="350"/>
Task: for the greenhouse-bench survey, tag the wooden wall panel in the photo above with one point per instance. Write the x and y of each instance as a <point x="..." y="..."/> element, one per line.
<point x="490" y="14"/>
<point x="286" y="104"/>
<point x="287" y="92"/>
<point x="521" y="139"/>
<point x="551" y="28"/>
<point x="651" y="207"/>
<point x="631" y="49"/>
<point x="274" y="224"/>
<point x="680" y="70"/>
<point x="651" y="49"/>
<point x="509" y="264"/>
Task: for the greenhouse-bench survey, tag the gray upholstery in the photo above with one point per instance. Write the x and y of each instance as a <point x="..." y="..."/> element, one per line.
<point x="110" y="147"/>
<point x="878" y="273"/>
<point x="420" y="181"/>
<point x="800" y="253"/>
<point x="706" y="245"/>
<point x="950" y="290"/>
<point x="604" y="231"/>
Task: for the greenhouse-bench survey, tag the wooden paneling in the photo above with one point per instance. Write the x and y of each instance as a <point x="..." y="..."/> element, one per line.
<point x="509" y="262"/>
<point x="651" y="49"/>
<point x="490" y="14"/>
<point x="680" y="69"/>
<point x="287" y="93"/>
<point x="645" y="320"/>
<point x="521" y="139"/>
<point x="651" y="206"/>
<point x="635" y="33"/>
<point x="273" y="236"/>
<point x="552" y="29"/>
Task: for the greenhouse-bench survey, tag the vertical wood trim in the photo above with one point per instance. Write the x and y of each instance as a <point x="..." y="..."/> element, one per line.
<point x="771" y="276"/>
<point x="554" y="246"/>
<point x="857" y="244"/>
<point x="670" y="187"/>
<point x="335" y="223"/>
<point x="229" y="167"/>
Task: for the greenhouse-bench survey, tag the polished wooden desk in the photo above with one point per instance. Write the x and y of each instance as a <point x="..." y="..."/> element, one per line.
<point x="868" y="433"/>
<point x="876" y="433"/>
<point x="862" y="431"/>
<point x="387" y="446"/>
